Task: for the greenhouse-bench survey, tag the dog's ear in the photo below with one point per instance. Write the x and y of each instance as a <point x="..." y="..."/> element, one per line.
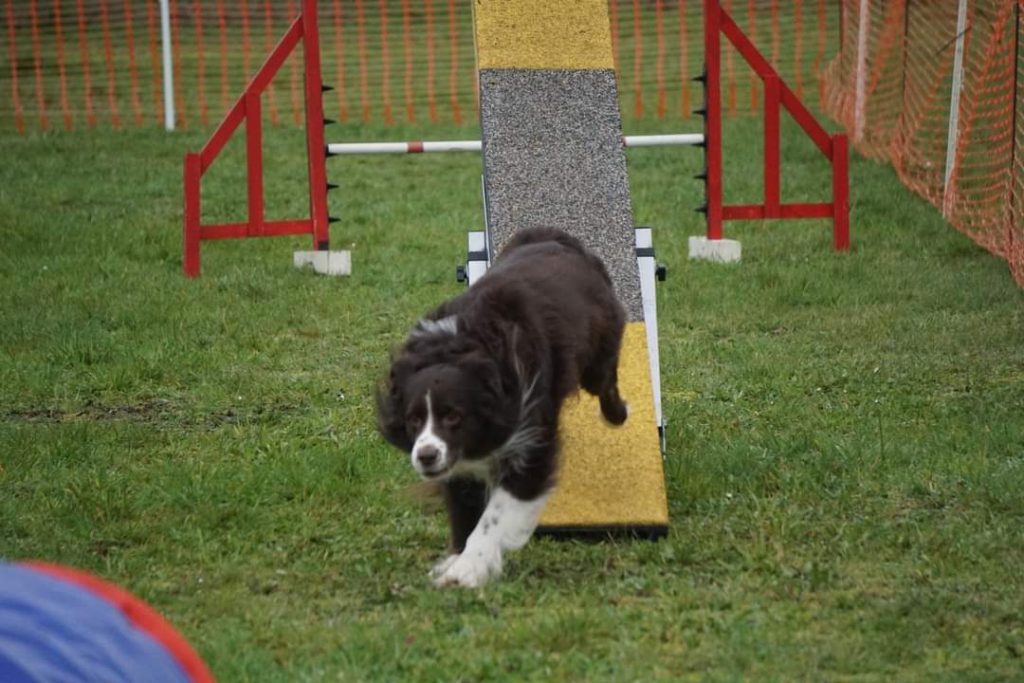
<point x="391" y="406"/>
<point x="486" y="371"/>
<point x="500" y="399"/>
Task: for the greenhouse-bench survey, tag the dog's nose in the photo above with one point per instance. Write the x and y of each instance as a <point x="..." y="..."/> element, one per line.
<point x="428" y="455"/>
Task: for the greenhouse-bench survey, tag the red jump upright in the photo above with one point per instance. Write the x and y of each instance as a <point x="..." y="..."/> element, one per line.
<point x="247" y="109"/>
<point x="777" y="94"/>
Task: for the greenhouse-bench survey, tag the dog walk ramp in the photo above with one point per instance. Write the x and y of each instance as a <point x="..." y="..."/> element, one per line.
<point x="553" y="156"/>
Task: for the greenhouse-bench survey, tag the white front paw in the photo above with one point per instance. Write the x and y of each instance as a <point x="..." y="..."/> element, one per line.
<point x="442" y="566"/>
<point x="472" y="569"/>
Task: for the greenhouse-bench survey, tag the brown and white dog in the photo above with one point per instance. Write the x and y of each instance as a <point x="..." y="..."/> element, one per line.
<point x="475" y="392"/>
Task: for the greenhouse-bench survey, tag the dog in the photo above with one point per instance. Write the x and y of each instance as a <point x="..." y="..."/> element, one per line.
<point x="474" y="393"/>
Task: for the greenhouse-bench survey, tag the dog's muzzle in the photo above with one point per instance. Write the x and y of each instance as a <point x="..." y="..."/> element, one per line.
<point x="430" y="460"/>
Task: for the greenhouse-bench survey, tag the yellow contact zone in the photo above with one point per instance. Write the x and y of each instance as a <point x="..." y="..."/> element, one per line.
<point x="612" y="476"/>
<point x="542" y="34"/>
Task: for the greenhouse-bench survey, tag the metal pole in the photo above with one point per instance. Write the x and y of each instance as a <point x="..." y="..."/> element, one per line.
<point x="688" y="139"/>
<point x="860" y="93"/>
<point x="165" y="39"/>
<point x="433" y="146"/>
<point x="336" y="148"/>
<point x="954" y="108"/>
<point x="315" y="127"/>
<point x="713" y="116"/>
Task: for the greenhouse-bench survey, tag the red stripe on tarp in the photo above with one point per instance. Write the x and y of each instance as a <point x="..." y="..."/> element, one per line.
<point x="141" y="615"/>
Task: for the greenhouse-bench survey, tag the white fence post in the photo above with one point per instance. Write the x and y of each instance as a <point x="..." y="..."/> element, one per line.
<point x="165" y="38"/>
<point x="954" y="108"/>
<point x="860" y="95"/>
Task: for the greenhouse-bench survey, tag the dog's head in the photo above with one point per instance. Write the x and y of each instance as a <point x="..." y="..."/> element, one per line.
<point x="455" y="410"/>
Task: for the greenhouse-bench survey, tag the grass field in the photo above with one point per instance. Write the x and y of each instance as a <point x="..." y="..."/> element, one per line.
<point x="845" y="432"/>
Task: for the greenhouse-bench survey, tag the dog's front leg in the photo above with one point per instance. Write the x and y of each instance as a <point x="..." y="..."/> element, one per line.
<point x="506" y="524"/>
<point x="465" y="499"/>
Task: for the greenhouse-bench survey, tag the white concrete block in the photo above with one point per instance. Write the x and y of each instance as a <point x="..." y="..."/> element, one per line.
<point x="325" y="262"/>
<point x="719" y="251"/>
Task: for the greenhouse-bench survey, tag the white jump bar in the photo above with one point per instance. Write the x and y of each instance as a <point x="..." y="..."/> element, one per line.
<point x="690" y="139"/>
<point x="337" y="148"/>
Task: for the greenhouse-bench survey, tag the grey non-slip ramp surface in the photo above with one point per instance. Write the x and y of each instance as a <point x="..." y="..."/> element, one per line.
<point x="553" y="156"/>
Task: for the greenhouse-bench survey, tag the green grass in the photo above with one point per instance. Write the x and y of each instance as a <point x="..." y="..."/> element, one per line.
<point x="846" y="447"/>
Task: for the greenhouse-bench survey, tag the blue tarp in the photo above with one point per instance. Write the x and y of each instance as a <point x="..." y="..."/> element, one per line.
<point x="55" y="630"/>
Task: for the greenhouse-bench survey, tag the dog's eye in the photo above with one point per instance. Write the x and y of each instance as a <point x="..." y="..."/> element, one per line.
<point x="415" y="423"/>
<point x="452" y="419"/>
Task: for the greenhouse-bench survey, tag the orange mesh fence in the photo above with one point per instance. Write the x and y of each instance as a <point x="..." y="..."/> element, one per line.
<point x="71" y="64"/>
<point x="952" y="129"/>
<point x="1015" y="230"/>
<point x="885" y="69"/>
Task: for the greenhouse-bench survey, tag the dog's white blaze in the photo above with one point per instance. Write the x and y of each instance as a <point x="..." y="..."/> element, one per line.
<point x="427" y="437"/>
<point x="506" y="524"/>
